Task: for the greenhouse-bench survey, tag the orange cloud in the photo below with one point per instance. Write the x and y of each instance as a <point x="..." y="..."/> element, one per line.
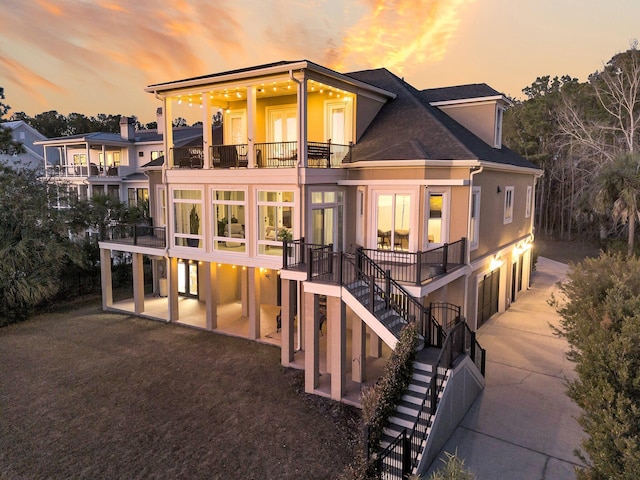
<point x="28" y="80"/>
<point x="395" y="32"/>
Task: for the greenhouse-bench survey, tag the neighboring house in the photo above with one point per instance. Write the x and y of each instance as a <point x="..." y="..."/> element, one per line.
<point x="33" y="156"/>
<point x="107" y="163"/>
<point x="334" y="209"/>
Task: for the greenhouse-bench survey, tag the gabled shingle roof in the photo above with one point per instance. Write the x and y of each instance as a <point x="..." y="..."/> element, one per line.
<point x="409" y="128"/>
<point x="459" y="92"/>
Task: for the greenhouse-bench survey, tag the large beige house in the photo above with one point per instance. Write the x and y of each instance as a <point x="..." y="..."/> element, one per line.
<point x="332" y="210"/>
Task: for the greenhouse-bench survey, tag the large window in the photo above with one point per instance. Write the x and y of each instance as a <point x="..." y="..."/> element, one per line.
<point x="229" y="220"/>
<point x="187" y="206"/>
<point x="527" y="211"/>
<point x="436" y="223"/>
<point x="137" y="196"/>
<point x="474" y="227"/>
<point x="508" y="205"/>
<point x="275" y="221"/>
<point x="393" y="221"/>
<point x="327" y="218"/>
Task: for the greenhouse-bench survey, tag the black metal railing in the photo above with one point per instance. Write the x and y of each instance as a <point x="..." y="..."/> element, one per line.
<point x="395" y="460"/>
<point x="142" y="235"/>
<point x="276" y="154"/>
<point x="418" y="267"/>
<point x="187" y="157"/>
<point x="459" y="341"/>
<point x="229" y="156"/>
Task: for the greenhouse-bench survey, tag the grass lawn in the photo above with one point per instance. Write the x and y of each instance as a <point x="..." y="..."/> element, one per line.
<point x="86" y="394"/>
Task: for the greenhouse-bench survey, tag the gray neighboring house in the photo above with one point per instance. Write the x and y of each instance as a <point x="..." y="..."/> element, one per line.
<point x="33" y="157"/>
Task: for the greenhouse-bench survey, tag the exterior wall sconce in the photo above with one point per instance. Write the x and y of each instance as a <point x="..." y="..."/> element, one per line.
<point x="496" y="262"/>
<point x="499" y="189"/>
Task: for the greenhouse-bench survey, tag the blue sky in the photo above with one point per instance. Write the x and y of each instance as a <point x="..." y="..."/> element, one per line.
<point x="96" y="56"/>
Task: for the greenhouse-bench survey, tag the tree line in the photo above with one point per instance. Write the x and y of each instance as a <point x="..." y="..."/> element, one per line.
<point x="585" y="136"/>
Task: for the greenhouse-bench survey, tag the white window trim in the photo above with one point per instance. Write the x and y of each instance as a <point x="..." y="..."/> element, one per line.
<point x="329" y="105"/>
<point x="527" y="211"/>
<point x="161" y="212"/>
<point x="214" y="225"/>
<point x="444" y="233"/>
<point x="269" y="111"/>
<point x="203" y="222"/>
<point x="260" y="203"/>
<point x="228" y="117"/>
<point x="476" y="226"/>
<point x="508" y="208"/>
<point x="413" y="218"/>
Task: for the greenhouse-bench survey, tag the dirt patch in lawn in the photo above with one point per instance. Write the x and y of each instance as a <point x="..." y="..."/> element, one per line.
<point x="86" y="394"/>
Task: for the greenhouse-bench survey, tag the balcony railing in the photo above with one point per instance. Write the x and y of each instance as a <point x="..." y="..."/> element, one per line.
<point x="140" y="235"/>
<point x="406" y="267"/>
<point x="266" y="155"/>
<point x="92" y="170"/>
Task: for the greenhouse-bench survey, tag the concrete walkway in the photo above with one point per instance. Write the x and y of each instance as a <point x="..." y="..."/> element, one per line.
<point x="523" y="426"/>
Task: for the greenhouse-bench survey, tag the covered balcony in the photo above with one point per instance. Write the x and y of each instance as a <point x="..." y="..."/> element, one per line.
<point x="266" y="155"/>
<point x="283" y="120"/>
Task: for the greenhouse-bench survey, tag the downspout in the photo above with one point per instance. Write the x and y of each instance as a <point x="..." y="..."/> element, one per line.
<point x="474" y="171"/>
<point x="302" y="203"/>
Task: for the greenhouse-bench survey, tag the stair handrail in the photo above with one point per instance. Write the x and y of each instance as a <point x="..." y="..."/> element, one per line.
<point x="429" y="326"/>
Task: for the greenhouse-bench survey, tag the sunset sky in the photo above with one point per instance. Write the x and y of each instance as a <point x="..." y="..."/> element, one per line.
<point x="96" y="56"/>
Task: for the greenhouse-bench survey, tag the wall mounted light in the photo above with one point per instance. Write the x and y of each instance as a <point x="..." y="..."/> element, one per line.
<point x="499" y="189"/>
<point x="496" y="262"/>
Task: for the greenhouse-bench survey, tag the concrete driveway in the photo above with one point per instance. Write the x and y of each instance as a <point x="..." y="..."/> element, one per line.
<point x="523" y="426"/>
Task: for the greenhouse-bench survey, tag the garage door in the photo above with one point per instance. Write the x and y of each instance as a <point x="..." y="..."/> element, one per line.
<point x="488" y="292"/>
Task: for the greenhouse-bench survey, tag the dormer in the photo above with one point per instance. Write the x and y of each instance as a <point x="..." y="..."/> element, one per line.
<point x="477" y="107"/>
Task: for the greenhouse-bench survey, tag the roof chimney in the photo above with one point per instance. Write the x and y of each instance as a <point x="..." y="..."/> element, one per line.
<point x="127" y="128"/>
<point x="160" y="121"/>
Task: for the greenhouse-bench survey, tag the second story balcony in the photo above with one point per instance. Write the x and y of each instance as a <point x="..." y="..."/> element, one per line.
<point x="262" y="155"/>
<point x="136" y="235"/>
<point x="416" y="268"/>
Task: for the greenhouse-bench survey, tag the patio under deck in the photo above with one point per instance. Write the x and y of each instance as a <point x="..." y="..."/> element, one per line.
<point x="232" y="322"/>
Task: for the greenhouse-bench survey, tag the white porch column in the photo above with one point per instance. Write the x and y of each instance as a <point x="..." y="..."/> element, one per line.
<point x="311" y="343"/>
<point x="138" y="283"/>
<point x="251" y="125"/>
<point x="207" y="135"/>
<point x="286" y="315"/>
<point x="253" y="279"/>
<point x="244" y="291"/>
<point x="209" y="284"/>
<point x="168" y="133"/>
<point x="337" y="337"/>
<point x="172" y="275"/>
<point x="358" y="349"/>
<point x="375" y="344"/>
<point x="105" y="278"/>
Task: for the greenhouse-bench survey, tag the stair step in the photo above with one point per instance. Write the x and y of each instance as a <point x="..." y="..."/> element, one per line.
<point x="407" y="408"/>
<point x="402" y="420"/>
<point x="425" y="367"/>
<point x="421" y="376"/>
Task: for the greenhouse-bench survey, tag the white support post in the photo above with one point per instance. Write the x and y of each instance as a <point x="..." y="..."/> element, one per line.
<point x="337" y="336"/>
<point x="312" y="343"/>
<point x="105" y="278"/>
<point x="138" y="283"/>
